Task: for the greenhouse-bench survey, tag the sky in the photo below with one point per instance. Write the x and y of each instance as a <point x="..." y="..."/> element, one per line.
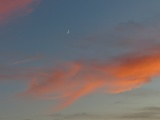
<point x="79" y="59"/>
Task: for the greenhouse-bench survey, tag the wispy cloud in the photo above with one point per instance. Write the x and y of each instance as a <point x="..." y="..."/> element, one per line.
<point x="74" y="80"/>
<point x="124" y="38"/>
<point x="17" y="70"/>
<point x="13" y="8"/>
<point x="80" y="116"/>
<point x="28" y="60"/>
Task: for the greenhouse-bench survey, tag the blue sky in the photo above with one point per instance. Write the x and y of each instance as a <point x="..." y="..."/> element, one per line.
<point x="107" y="67"/>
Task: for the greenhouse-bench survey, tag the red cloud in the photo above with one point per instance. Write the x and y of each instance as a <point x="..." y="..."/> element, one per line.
<point x="75" y="80"/>
<point x="12" y="8"/>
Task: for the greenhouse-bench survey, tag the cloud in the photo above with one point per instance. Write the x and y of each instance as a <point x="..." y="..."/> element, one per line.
<point x="13" y="66"/>
<point x="28" y="60"/>
<point x="142" y="93"/>
<point x="13" y="8"/>
<point x="12" y="72"/>
<point x="79" y="116"/>
<point x="135" y="34"/>
<point x="124" y="38"/>
<point x="145" y="113"/>
<point x="74" y="80"/>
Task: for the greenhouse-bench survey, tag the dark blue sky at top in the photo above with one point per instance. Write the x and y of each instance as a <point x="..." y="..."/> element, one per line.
<point x="44" y="31"/>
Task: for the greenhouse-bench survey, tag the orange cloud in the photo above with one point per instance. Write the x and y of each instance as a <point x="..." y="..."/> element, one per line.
<point x="12" y="8"/>
<point x="75" y="80"/>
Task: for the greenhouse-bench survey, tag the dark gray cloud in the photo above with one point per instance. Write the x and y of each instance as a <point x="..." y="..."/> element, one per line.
<point x="151" y="112"/>
<point x="146" y="113"/>
<point x="79" y="116"/>
<point x="152" y="108"/>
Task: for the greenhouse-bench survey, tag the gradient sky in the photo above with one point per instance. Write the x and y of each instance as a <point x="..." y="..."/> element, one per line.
<point x="107" y="67"/>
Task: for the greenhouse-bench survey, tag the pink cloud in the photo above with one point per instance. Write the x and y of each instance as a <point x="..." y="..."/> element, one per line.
<point x="13" y="8"/>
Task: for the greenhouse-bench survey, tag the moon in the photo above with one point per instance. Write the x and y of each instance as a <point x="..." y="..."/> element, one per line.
<point x="68" y="32"/>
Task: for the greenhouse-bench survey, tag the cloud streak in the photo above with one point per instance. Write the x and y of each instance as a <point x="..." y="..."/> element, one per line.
<point x="151" y="112"/>
<point x="79" y="116"/>
<point x="10" y="9"/>
<point x="28" y="60"/>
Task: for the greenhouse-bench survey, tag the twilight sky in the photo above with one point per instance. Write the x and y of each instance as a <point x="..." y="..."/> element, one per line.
<point x="106" y="68"/>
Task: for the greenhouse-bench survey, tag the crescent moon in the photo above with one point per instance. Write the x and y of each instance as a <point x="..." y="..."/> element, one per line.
<point x="68" y="32"/>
